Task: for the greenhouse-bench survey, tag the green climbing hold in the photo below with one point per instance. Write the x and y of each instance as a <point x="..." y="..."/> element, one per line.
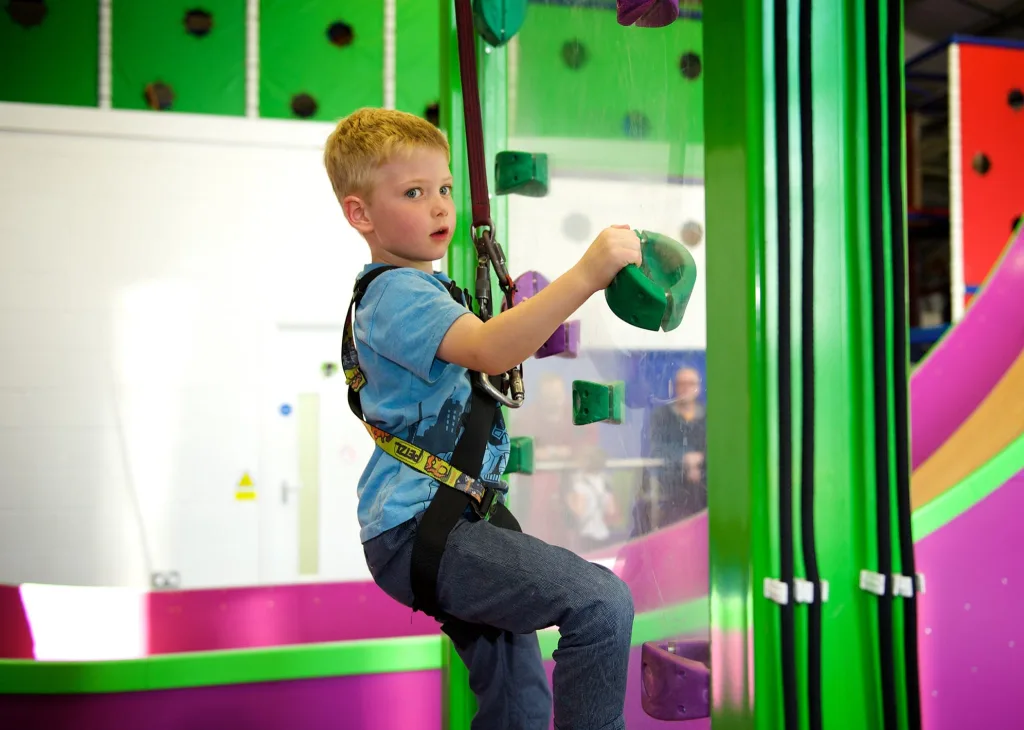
<point x="654" y="295"/>
<point x="521" y="173"/>
<point x="595" y="402"/>
<point x="498" y="20"/>
<point x="520" y="455"/>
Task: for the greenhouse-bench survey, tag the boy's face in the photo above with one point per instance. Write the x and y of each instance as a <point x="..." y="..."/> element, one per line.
<point x="409" y="218"/>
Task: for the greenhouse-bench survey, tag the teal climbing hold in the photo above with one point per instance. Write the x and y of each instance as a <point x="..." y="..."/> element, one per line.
<point x="521" y="173"/>
<point x="598" y="402"/>
<point x="654" y="295"/>
<point x="498" y="20"/>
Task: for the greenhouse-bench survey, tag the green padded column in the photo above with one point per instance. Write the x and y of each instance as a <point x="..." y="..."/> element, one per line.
<point x="54" y="62"/>
<point x="304" y="74"/>
<point x="743" y="361"/>
<point x="417" y="55"/>
<point x="152" y="45"/>
<point x="741" y="488"/>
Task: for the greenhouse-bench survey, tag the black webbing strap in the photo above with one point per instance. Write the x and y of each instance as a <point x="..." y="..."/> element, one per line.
<point x="348" y="352"/>
<point x="445" y="510"/>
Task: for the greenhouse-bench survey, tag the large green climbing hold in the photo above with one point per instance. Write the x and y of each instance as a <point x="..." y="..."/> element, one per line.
<point x="520" y="455"/>
<point x="654" y="295"/>
<point x="498" y="20"/>
<point x="521" y="173"/>
<point x="596" y="402"/>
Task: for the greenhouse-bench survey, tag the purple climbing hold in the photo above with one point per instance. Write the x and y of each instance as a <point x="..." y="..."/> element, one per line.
<point x="565" y="341"/>
<point x="676" y="680"/>
<point x="527" y="285"/>
<point x="647" y="13"/>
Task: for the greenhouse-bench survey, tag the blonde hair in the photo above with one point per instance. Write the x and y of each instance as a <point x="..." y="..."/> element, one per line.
<point x="369" y="138"/>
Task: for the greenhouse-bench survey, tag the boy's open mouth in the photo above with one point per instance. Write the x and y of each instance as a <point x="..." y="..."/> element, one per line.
<point x="440" y="232"/>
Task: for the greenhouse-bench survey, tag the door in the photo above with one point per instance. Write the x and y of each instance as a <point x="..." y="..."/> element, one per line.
<point x="313" y="452"/>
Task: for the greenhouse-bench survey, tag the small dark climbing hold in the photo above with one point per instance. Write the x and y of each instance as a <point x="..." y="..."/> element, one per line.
<point x="693" y="233"/>
<point x="198" y="22"/>
<point x="433" y="114"/>
<point x="340" y="34"/>
<point x="303" y="106"/>
<point x="636" y="125"/>
<point x="690" y="65"/>
<point x="1015" y="99"/>
<point x="981" y="163"/>
<point x="27" y="13"/>
<point x="574" y="54"/>
<point x="159" y="96"/>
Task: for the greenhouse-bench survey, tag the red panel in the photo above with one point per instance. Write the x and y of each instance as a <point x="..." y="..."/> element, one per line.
<point x="990" y="126"/>
<point x="15" y="632"/>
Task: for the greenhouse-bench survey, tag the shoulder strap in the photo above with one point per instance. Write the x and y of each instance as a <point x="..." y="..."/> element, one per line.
<point x="349" y="357"/>
<point x="471" y="447"/>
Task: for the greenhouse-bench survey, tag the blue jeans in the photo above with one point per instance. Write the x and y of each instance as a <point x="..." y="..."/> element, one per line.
<point x="519" y="584"/>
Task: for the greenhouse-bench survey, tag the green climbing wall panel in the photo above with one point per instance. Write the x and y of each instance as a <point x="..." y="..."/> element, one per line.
<point x="54" y="62"/>
<point x="417" y="55"/>
<point x="580" y="75"/>
<point x="298" y="57"/>
<point x="152" y="45"/>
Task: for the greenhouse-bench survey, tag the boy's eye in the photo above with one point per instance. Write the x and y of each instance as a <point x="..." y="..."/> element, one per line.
<point x="446" y="190"/>
<point x="412" y="193"/>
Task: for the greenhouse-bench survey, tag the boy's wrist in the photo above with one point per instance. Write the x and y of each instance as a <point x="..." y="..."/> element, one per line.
<point x="583" y="279"/>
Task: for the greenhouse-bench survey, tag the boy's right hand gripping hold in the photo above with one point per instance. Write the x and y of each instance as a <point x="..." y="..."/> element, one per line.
<point x="614" y="248"/>
<point x="509" y="338"/>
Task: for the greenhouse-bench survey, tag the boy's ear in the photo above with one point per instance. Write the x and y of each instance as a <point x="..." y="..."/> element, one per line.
<point x="357" y="213"/>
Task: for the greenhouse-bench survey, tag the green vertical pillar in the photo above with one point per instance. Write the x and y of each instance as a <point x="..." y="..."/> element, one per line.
<point x="742" y="199"/>
<point x="744" y="634"/>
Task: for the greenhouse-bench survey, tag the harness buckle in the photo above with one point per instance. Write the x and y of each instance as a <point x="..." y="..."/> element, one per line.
<point x="486" y="505"/>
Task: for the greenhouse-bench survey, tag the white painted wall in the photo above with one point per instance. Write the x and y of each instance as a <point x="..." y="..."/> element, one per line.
<point x="148" y="261"/>
<point x="153" y="267"/>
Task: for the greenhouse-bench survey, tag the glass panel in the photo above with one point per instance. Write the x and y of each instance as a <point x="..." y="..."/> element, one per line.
<point x="618" y="112"/>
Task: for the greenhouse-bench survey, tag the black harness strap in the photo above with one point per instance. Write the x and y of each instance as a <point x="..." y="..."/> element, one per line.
<point x="448" y="504"/>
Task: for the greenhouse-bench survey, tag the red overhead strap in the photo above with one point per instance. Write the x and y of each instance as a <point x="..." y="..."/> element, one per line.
<point x="474" y="121"/>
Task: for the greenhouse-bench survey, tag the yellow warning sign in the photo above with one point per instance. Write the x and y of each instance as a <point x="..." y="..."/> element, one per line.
<point x="245" y="489"/>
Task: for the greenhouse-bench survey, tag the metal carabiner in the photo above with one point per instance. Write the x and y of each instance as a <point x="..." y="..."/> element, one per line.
<point x="515" y="400"/>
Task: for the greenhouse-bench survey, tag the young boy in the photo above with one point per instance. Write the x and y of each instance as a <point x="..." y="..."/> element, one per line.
<point x="415" y="343"/>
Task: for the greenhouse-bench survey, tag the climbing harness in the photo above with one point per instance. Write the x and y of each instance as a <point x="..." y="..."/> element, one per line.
<point x="460" y="487"/>
<point x="402" y="450"/>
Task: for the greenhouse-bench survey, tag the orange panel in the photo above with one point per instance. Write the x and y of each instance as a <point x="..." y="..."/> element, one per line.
<point x="990" y="127"/>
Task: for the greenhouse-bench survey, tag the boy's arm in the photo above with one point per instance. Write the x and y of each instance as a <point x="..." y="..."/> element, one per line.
<point x="501" y="343"/>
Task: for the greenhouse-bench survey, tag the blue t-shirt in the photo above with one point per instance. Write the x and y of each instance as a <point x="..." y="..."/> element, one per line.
<point x="400" y="322"/>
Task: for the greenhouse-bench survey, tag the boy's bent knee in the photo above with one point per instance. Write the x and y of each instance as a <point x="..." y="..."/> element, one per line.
<point x="619" y="607"/>
<point x="611" y="606"/>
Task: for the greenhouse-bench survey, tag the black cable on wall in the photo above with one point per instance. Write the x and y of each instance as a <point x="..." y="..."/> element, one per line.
<point x="877" y="179"/>
<point x="807" y="400"/>
<point x="894" y="65"/>
<point x="791" y="717"/>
